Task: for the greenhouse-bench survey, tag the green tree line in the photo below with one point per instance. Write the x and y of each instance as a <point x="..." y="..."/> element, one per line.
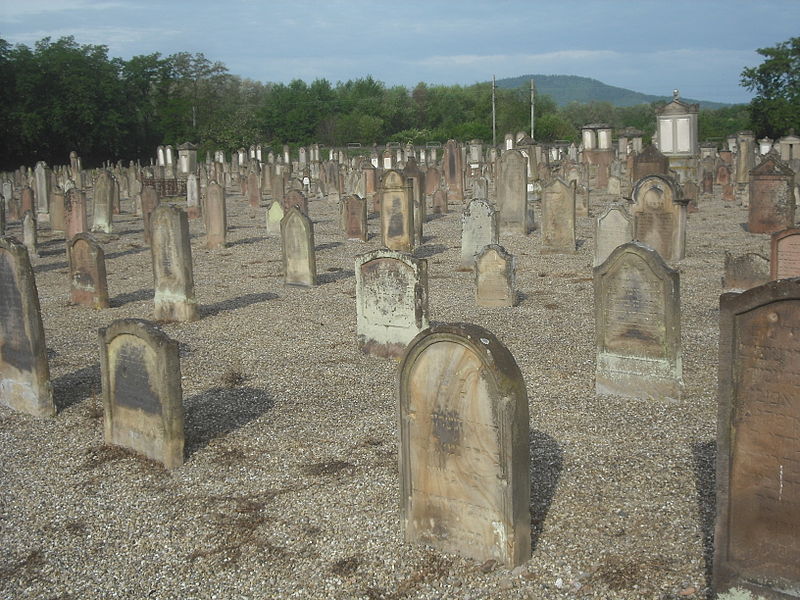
<point x="60" y="96"/>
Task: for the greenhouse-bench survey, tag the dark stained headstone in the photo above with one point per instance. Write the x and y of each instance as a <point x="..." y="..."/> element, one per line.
<point x="772" y="201"/>
<point x="354" y="217"/>
<point x="87" y="269"/>
<point x="397" y="212"/>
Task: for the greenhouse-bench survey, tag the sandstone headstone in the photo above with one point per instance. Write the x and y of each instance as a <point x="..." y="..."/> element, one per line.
<point x="87" y="269"/>
<point x="744" y="272"/>
<point x="660" y="216"/>
<point x="464" y="454"/>
<point x="494" y="277"/>
<point x="478" y="230"/>
<point x="512" y="192"/>
<point x="354" y="214"/>
<point x="29" y="234"/>
<point x="397" y="212"/>
<point x="149" y="203"/>
<point x="75" y="221"/>
<point x="24" y="372"/>
<point x="439" y="202"/>
<point x="638" y="325"/>
<point x="558" y="217"/>
<point x="254" y="189"/>
<point x="215" y="216"/>
<point x="649" y="162"/>
<point x="296" y="198"/>
<point x="27" y="202"/>
<point x="453" y="165"/>
<point x="172" y="265"/>
<point x="299" y="258"/>
<point x="274" y="218"/>
<point x="614" y="187"/>
<point x="785" y="253"/>
<point x="757" y="533"/>
<point x="193" y="210"/>
<point x="772" y="201"/>
<point x="391" y="301"/>
<point x="142" y="396"/>
<point x="612" y="228"/>
<point x="103" y="203"/>
<point x="57" y="210"/>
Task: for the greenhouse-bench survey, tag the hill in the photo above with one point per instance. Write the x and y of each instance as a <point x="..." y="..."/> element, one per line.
<point x="571" y="88"/>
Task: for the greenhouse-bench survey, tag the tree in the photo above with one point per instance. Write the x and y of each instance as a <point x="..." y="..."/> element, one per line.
<point x="776" y="82"/>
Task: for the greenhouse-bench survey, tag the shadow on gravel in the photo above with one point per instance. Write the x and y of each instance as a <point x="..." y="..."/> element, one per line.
<point x="546" y="463"/>
<point x="330" y="277"/>
<point x="135" y="250"/>
<point x="137" y="296"/>
<point x="210" y="310"/>
<point x="250" y="240"/>
<point x="45" y="253"/>
<point x="426" y="251"/>
<point x="704" y="455"/>
<point x="75" y="387"/>
<point x="50" y="267"/>
<point x="220" y="410"/>
<point x="328" y="246"/>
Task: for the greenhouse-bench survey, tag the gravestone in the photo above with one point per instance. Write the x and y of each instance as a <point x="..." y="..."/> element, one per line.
<point x="453" y="165"/>
<point x="494" y="277"/>
<point x="772" y="201"/>
<point x="41" y="174"/>
<point x="391" y="301"/>
<point x="2" y="215"/>
<point x="478" y="230"/>
<point x="439" y="202"/>
<point x="785" y="253"/>
<point x="464" y="455"/>
<point x="397" y="212"/>
<point x="612" y="228"/>
<point x="26" y="200"/>
<point x="649" y="162"/>
<point x="254" y="189"/>
<point x="299" y="259"/>
<point x="659" y="215"/>
<point x="149" y="203"/>
<point x="433" y="181"/>
<point x="480" y="188"/>
<point x="24" y="372"/>
<point x="192" y="197"/>
<point x="614" y="187"/>
<point x="744" y="272"/>
<point x="142" y="396"/>
<point x="102" y="203"/>
<point x="757" y="533"/>
<point x="294" y="198"/>
<point x="708" y="182"/>
<point x="558" y="217"/>
<point x="512" y="192"/>
<point x="74" y="213"/>
<point x="172" y="265"/>
<point x="87" y="272"/>
<point x="354" y="216"/>
<point x="278" y="186"/>
<point x="29" y="234"/>
<point x="723" y="175"/>
<point x="215" y="216"/>
<point x="57" y="210"/>
<point x="274" y="218"/>
<point x="637" y="325"/>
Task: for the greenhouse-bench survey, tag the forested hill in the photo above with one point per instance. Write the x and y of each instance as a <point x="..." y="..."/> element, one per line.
<point x="564" y="89"/>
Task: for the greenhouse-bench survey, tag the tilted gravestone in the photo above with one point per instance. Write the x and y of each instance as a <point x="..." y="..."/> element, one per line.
<point x="558" y="217"/>
<point x="512" y="192"/>
<point x="299" y="259"/>
<point x="24" y="372"/>
<point x="659" y="216"/>
<point x="745" y="271"/>
<point x="354" y="218"/>
<point x="494" y="277"/>
<point x="391" y="301"/>
<point x="612" y="228"/>
<point x="172" y="265"/>
<point x="757" y="533"/>
<point x="478" y="230"/>
<point x="785" y="253"/>
<point x="397" y="212"/>
<point x="464" y="454"/>
<point x="142" y="397"/>
<point x="215" y="216"/>
<point x="637" y="325"/>
<point x="87" y="272"/>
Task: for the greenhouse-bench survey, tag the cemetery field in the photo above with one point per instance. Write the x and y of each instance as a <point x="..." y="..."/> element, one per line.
<point x="290" y="486"/>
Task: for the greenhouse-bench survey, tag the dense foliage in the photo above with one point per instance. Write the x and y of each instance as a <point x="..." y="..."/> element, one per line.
<point x="60" y="96"/>
<point x="776" y="82"/>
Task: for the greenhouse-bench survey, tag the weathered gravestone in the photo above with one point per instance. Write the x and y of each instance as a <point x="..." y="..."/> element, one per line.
<point x="480" y="188"/>
<point x="215" y="216"/>
<point x="558" y="217"/>
<point x="638" y="327"/>
<point x="612" y="228"/>
<point x="74" y="213"/>
<point x="57" y="210"/>
<point x="744" y="272"/>
<point x="26" y="201"/>
<point x="354" y="217"/>
<point x="172" y="265"/>
<point x="299" y="259"/>
<point x="649" y="162"/>
<point x="41" y="173"/>
<point x="2" y="215"/>
<point x="614" y="187"/>
<point x="785" y="253"/>
<point x="87" y="272"/>
<point x="29" y="234"/>
<point x="723" y="175"/>
<point x="294" y="198"/>
<point x="391" y="301"/>
<point x="772" y="201"/>
<point x="659" y="216"/>
<point x="757" y="534"/>
<point x="494" y="277"/>
<point x="254" y="189"/>
<point x="478" y="230"/>
<point x="512" y="192"/>
<point x="274" y="218"/>
<point x="193" y="210"/>
<point x="453" y="165"/>
<point x="397" y="212"/>
<point x="102" y="203"/>
<point x="142" y="396"/>
<point x="24" y="372"/>
<point x="149" y="203"/>
<point x="439" y="202"/>
<point x="464" y="454"/>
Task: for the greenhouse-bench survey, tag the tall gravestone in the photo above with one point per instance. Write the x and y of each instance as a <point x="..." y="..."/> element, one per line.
<point x="659" y="214"/>
<point x="478" y="230"/>
<point x="512" y="192"/>
<point x="102" y="202"/>
<point x="354" y="217"/>
<point x="558" y="217"/>
<point x="785" y="253"/>
<point x="215" y="216"/>
<point x="299" y="258"/>
<point x="391" y="301"/>
<point x="87" y="272"/>
<point x="172" y="265"/>
<point x="254" y="189"/>
<point x="75" y="220"/>
<point x="439" y="202"/>
<point x="142" y="396"/>
<point x="29" y="234"/>
<point x="495" y="271"/>
<point x="612" y="228"/>
<point x="757" y="533"/>
<point x="637" y="325"/>
<point x="57" y="211"/>
<point x="24" y="372"/>
<point x="274" y="217"/>
<point x="464" y="454"/>
<point x="193" y="210"/>
<point x="42" y="182"/>
<point x="397" y="212"/>
<point x="150" y="201"/>
<point x="296" y="198"/>
<point x="772" y="201"/>
<point x="453" y="165"/>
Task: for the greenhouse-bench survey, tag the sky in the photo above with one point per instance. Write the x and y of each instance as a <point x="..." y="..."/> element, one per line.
<point x="699" y="47"/>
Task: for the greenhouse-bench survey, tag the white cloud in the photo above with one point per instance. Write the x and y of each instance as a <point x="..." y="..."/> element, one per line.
<point x="13" y="12"/>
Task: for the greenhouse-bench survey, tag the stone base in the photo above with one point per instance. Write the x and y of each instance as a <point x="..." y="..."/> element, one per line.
<point x="176" y="311"/>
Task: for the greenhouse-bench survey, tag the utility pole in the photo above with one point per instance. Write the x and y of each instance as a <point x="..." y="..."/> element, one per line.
<point x="494" y="114"/>
<point x="533" y="103"/>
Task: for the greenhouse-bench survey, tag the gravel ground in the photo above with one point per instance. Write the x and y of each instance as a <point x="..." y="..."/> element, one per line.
<point x="290" y="485"/>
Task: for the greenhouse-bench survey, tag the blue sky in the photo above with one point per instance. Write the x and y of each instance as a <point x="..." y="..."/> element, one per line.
<point x="698" y="46"/>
